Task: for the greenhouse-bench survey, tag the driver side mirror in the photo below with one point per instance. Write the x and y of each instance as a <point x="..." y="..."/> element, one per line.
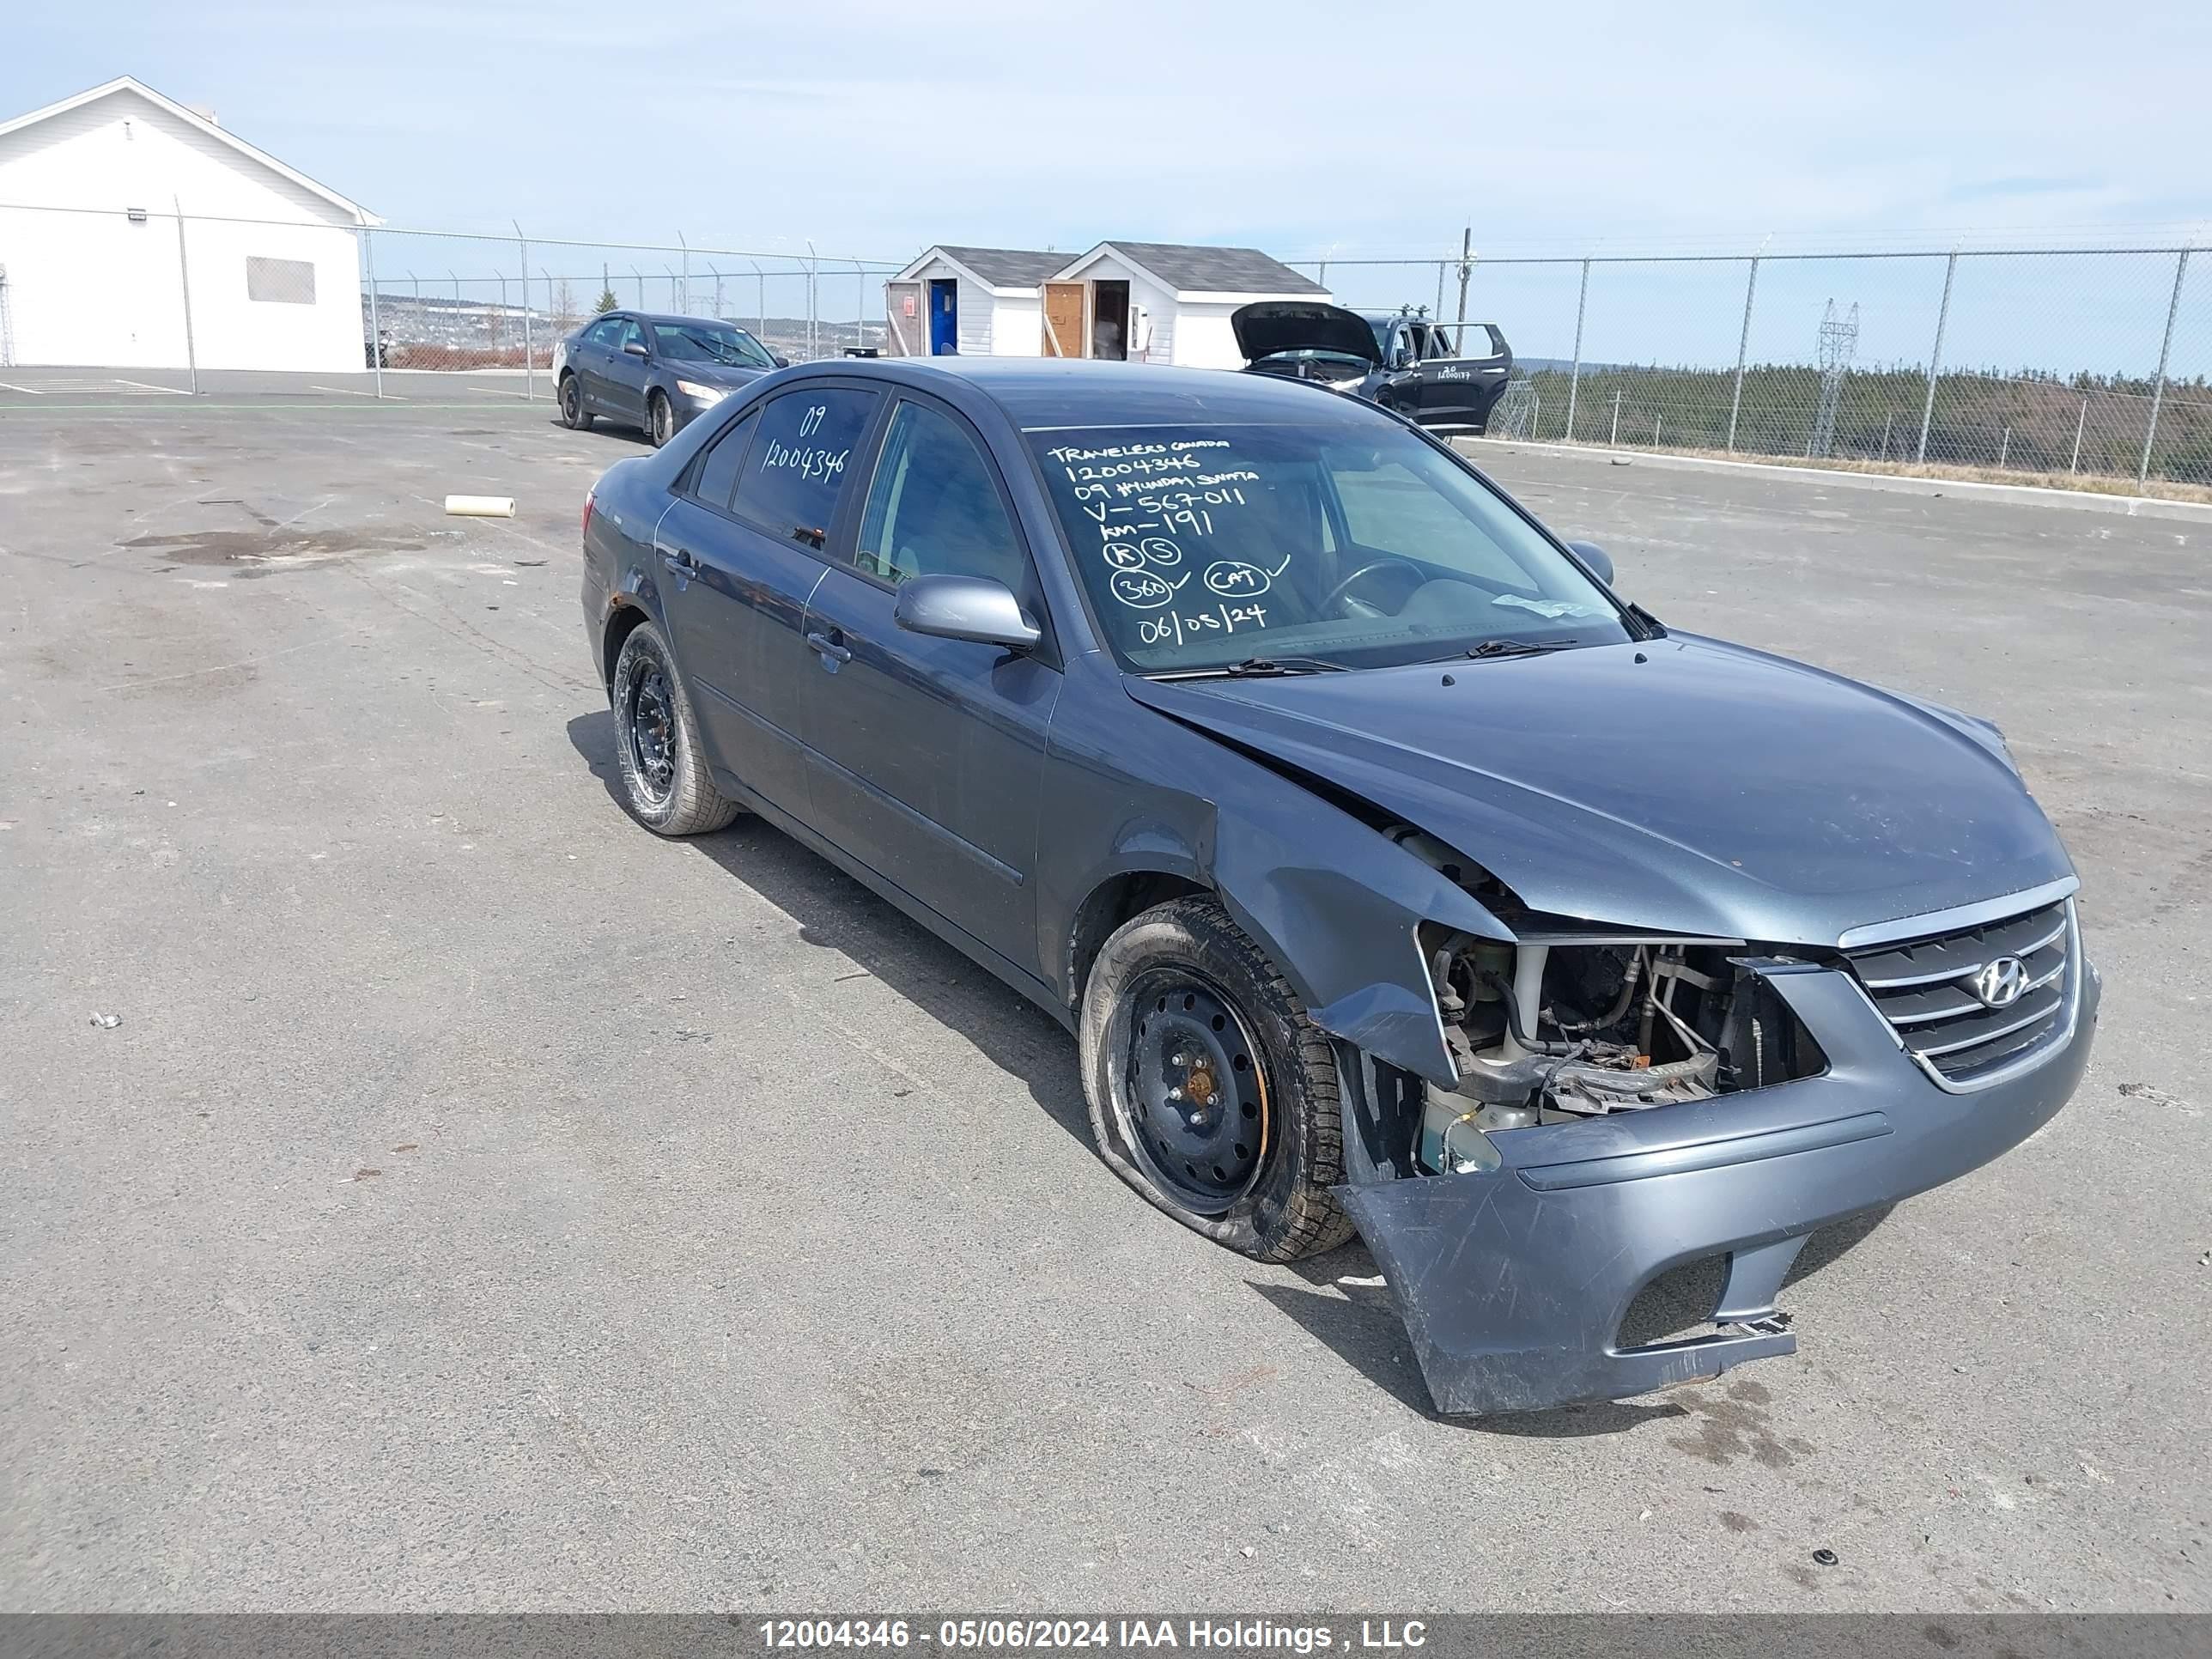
<point x="781" y="362"/>
<point x="634" y="348"/>
<point x="1599" y="561"/>
<point x="964" y="608"/>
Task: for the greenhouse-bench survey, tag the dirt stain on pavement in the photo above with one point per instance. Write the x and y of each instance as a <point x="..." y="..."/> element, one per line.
<point x="1736" y="1425"/>
<point x="268" y="548"/>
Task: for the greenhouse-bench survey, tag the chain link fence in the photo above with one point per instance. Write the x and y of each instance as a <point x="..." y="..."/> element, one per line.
<point x="146" y="287"/>
<point x="2066" y="365"/>
<point x="2088" y="366"/>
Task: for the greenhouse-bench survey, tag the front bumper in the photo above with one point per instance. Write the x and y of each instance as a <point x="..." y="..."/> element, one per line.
<point x="1513" y="1283"/>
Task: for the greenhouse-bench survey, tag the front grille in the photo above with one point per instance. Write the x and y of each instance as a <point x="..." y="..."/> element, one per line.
<point x="1925" y="989"/>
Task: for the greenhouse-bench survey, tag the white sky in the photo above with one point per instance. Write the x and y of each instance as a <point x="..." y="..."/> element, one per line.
<point x="877" y="126"/>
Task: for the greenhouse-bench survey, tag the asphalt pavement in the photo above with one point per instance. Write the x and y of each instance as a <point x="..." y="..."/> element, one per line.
<point x="483" y="1204"/>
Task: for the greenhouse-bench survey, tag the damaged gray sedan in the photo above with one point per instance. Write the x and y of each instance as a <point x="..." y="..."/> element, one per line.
<point x="1393" y="872"/>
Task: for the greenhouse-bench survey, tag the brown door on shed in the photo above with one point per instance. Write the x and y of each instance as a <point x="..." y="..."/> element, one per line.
<point x="1063" y="320"/>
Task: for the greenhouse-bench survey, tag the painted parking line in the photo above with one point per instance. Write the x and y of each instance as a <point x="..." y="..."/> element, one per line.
<point x="175" y="392"/>
<point x="349" y="392"/>
<point x="9" y="385"/>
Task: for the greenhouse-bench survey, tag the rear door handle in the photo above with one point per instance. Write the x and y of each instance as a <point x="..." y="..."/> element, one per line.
<point x="680" y="561"/>
<point x="829" y="647"/>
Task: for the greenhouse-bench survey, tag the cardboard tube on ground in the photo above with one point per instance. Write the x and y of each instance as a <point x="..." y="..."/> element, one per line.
<point x="480" y="506"/>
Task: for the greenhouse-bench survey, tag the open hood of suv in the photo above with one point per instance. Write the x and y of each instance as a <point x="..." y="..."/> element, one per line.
<point x="1681" y="785"/>
<point x="1270" y="326"/>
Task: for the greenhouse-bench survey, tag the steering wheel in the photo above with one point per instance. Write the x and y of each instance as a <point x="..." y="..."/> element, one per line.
<point x="1336" y="594"/>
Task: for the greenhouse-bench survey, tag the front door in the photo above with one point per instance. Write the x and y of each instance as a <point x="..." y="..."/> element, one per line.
<point x="739" y="555"/>
<point x="1110" y="320"/>
<point x="928" y="753"/>
<point x="944" y="317"/>
<point x="1063" y="320"/>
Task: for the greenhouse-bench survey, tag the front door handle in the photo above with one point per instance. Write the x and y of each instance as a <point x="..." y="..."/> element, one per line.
<point x="829" y="647"/>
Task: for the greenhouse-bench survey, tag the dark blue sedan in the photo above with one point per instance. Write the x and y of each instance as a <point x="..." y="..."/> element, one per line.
<point x="653" y="372"/>
<point x="1392" y="872"/>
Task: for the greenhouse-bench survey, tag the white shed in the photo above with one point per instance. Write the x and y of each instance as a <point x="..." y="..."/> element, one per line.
<point x="977" y="301"/>
<point x="1165" y="302"/>
<point x="93" y="270"/>
<point x="1160" y="302"/>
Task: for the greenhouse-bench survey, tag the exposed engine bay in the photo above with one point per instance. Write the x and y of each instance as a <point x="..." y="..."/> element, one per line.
<point x="1570" y="1023"/>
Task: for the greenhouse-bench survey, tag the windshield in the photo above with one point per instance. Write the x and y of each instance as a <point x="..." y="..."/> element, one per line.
<point x="1351" y="542"/>
<point x="704" y="342"/>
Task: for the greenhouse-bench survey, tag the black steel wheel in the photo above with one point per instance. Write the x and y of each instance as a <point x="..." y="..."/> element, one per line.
<point x="665" y="781"/>
<point x="571" y="404"/>
<point x="1197" y="1099"/>
<point x="659" y="419"/>
<point x="1210" y="1090"/>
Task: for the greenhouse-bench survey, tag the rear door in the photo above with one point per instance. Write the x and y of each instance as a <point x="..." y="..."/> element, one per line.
<point x="591" y="361"/>
<point x="740" y="552"/>
<point x="626" y="371"/>
<point x="928" y="753"/>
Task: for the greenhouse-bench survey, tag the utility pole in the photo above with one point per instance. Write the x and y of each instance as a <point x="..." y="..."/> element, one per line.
<point x="1466" y="270"/>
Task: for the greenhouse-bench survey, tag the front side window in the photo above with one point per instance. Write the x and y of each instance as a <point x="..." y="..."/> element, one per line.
<point x="632" y="330"/>
<point x="606" y="332"/>
<point x="933" y="506"/>
<point x="708" y="343"/>
<point x="1348" y="539"/>
<point x="795" y="472"/>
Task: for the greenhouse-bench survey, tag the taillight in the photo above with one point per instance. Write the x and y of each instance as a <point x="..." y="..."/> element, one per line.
<point x="587" y="512"/>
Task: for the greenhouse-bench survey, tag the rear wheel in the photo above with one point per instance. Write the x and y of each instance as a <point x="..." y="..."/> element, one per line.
<point x="1210" y="1093"/>
<point x="573" y="415"/>
<point x="664" y="775"/>
<point x="659" y="419"/>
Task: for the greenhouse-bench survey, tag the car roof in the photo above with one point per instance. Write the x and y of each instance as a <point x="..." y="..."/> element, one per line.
<point x="674" y="319"/>
<point x="1046" y="392"/>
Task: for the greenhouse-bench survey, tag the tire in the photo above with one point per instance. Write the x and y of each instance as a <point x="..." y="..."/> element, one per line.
<point x="659" y="419"/>
<point x="1136" y="1024"/>
<point x="573" y="415"/>
<point x="664" y="775"/>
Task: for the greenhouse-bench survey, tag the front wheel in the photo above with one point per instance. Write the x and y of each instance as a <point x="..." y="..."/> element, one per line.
<point x="659" y="419"/>
<point x="1210" y="1090"/>
<point x="664" y="776"/>
<point x="573" y="415"/>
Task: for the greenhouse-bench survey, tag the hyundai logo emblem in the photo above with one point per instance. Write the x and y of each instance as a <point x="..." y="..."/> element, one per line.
<point x="2002" y="983"/>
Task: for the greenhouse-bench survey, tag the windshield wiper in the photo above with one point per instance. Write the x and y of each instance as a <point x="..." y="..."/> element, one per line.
<point x="1518" y="648"/>
<point x="1260" y="667"/>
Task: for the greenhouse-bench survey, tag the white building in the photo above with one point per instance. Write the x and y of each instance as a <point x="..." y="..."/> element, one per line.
<point x="94" y="271"/>
<point x="1160" y="302"/>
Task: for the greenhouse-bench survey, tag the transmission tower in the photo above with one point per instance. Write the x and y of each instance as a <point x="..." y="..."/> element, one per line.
<point x="1838" y="342"/>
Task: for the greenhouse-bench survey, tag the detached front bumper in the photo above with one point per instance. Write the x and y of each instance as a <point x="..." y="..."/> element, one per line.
<point x="1513" y="1283"/>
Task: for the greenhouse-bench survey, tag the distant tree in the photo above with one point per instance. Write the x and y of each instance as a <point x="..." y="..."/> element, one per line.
<point x="607" y="301"/>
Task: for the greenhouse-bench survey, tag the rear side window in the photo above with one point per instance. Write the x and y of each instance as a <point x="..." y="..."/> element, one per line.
<point x="716" y="478"/>
<point x="795" y="471"/>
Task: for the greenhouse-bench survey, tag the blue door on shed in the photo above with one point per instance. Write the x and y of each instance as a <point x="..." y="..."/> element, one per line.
<point x="944" y="317"/>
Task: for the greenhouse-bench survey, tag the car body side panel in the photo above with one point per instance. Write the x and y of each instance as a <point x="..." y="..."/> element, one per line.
<point x="1127" y="790"/>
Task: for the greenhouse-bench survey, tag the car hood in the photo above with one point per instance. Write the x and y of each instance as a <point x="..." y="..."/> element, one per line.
<point x="1272" y="326"/>
<point x="722" y="374"/>
<point x="1681" y="785"/>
